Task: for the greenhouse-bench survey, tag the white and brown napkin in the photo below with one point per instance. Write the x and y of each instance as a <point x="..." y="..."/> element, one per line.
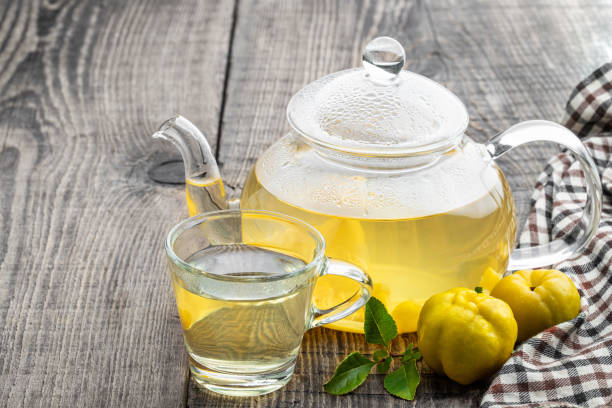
<point x="570" y="364"/>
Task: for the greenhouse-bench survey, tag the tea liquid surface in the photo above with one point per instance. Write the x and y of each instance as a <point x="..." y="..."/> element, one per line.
<point x="248" y="328"/>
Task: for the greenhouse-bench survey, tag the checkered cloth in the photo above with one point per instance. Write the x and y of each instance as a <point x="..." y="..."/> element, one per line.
<point x="570" y="364"/>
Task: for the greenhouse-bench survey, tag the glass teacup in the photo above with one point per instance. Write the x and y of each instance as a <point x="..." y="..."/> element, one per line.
<point x="243" y="282"/>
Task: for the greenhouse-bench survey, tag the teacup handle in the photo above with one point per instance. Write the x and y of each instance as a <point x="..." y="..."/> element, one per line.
<point x="345" y="308"/>
<point x="559" y="249"/>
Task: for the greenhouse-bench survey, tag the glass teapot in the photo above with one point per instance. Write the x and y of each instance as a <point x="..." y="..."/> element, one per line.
<point x="377" y="160"/>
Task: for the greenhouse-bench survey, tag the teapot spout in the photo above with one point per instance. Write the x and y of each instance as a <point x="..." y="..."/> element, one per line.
<point x="203" y="185"/>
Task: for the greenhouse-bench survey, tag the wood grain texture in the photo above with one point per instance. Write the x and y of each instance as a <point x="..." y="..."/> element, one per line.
<point x="87" y="316"/>
<point x="508" y="61"/>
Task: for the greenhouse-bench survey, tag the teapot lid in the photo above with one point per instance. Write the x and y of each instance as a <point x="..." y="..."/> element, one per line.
<point x="379" y="109"/>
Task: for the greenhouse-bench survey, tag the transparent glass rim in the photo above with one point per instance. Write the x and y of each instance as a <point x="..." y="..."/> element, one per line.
<point x="178" y="229"/>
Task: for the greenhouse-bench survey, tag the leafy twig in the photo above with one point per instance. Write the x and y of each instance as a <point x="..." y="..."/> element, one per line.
<point x="379" y="328"/>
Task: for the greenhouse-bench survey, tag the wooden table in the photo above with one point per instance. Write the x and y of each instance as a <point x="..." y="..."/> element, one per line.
<point x="87" y="315"/>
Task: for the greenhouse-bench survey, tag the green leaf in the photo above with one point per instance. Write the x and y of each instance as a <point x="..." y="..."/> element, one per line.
<point x="379" y="326"/>
<point x="349" y="374"/>
<point x="379" y="354"/>
<point x="383" y="366"/>
<point x="403" y="382"/>
<point x="411" y="354"/>
<point x="478" y="289"/>
<point x="383" y="361"/>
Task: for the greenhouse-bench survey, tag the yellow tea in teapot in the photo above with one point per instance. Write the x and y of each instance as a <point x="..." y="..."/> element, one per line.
<point x="408" y="257"/>
<point x="204" y="195"/>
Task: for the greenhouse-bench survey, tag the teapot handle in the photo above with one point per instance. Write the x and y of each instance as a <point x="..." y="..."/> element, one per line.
<point x="563" y="248"/>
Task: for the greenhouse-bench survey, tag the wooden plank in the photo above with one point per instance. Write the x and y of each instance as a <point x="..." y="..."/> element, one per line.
<point x="508" y="62"/>
<point x="87" y="315"/>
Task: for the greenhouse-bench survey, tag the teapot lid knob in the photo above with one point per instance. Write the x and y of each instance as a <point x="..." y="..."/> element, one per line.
<point x="383" y="59"/>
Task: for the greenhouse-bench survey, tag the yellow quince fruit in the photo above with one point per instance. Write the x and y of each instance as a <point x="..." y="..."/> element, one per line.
<point x="406" y="315"/>
<point x="466" y="335"/>
<point x="539" y="299"/>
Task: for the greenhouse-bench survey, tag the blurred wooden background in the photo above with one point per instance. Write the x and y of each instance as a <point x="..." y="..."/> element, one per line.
<point x="87" y="315"/>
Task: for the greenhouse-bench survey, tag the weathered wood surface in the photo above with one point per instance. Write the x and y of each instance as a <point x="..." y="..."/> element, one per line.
<point x="87" y="316"/>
